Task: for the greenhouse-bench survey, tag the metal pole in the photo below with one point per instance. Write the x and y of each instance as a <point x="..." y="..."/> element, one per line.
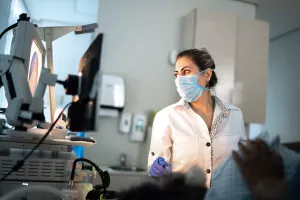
<point x="48" y="39"/>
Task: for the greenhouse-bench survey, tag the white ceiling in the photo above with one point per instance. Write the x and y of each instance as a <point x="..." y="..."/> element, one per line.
<point x="283" y="15"/>
<point x="255" y="2"/>
<point x="63" y="11"/>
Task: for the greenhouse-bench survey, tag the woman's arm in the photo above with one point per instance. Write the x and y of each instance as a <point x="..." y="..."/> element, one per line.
<point x="160" y="139"/>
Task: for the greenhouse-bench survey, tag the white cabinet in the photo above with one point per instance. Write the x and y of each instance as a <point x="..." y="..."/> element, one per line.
<point x="240" y="49"/>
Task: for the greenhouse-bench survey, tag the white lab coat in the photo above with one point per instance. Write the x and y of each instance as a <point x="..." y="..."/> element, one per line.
<point x="182" y="138"/>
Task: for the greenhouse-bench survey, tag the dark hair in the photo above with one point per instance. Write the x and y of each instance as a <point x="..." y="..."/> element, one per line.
<point x="172" y="186"/>
<point x="203" y="60"/>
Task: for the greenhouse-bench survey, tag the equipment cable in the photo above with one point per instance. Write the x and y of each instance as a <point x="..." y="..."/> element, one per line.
<point x="20" y="163"/>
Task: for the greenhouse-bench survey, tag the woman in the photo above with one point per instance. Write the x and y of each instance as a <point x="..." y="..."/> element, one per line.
<point x="200" y="130"/>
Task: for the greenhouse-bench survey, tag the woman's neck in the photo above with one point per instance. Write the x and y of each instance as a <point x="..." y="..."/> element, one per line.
<point x="204" y="104"/>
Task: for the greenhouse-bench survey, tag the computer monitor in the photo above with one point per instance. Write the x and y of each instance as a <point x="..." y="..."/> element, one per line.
<point x="28" y="46"/>
<point x="29" y="58"/>
<point x="21" y="80"/>
<point x="82" y="114"/>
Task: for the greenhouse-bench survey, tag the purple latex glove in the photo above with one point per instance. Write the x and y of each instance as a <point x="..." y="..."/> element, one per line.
<point x="160" y="167"/>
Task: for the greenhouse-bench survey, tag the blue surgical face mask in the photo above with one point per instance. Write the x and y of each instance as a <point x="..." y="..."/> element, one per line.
<point x="188" y="87"/>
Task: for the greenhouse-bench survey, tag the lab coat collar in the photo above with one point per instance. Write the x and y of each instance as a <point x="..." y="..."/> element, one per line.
<point x="220" y="107"/>
<point x="221" y="112"/>
<point x="183" y="103"/>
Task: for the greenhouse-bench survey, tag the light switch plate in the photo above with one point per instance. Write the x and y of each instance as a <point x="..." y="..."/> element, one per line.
<point x="139" y="127"/>
<point x="125" y="123"/>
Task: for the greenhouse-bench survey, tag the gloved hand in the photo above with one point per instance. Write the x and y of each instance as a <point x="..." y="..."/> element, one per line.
<point x="160" y="167"/>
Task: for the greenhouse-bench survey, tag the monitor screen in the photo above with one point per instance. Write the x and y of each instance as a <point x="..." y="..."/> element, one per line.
<point x="89" y="65"/>
<point x="35" y="66"/>
<point x="83" y="113"/>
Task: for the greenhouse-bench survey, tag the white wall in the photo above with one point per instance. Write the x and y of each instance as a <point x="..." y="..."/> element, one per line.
<point x="9" y="14"/>
<point x="139" y="34"/>
<point x="66" y="11"/>
<point x="284" y="68"/>
<point x="284" y="94"/>
<point x="5" y="6"/>
<point x="4" y="16"/>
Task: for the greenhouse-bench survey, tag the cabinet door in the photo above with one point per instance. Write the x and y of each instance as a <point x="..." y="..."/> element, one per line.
<point x="217" y="31"/>
<point x="250" y="92"/>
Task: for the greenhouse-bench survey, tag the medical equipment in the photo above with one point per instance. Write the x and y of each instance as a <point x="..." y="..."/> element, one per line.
<point x="85" y="139"/>
<point x="25" y="65"/>
<point x="18" y="193"/>
<point x="50" y="34"/>
<point x="25" y="79"/>
<point x="25" y="106"/>
<point x="100" y="190"/>
<point x="48" y="166"/>
<point x="82" y="114"/>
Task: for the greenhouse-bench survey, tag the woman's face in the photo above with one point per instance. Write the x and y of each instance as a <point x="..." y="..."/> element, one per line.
<point x="186" y="67"/>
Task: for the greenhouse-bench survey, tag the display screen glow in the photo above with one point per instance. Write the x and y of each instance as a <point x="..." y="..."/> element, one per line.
<point x="35" y="67"/>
